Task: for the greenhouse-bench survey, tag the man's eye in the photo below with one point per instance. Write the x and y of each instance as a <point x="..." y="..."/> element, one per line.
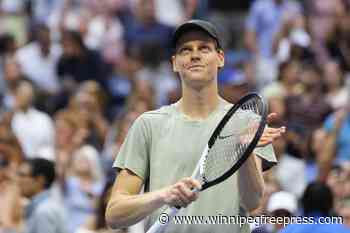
<point x="184" y="50"/>
<point x="205" y="49"/>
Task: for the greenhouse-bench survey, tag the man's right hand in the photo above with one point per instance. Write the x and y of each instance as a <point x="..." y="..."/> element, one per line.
<point x="180" y="194"/>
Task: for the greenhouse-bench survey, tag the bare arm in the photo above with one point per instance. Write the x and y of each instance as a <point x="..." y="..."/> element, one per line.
<point x="126" y="206"/>
<point x="251" y="180"/>
<point x="251" y="183"/>
<point x="328" y="153"/>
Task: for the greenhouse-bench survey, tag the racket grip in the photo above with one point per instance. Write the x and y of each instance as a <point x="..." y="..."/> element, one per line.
<point x="167" y="217"/>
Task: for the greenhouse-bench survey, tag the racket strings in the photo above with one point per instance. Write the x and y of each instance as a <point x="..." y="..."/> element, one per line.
<point x="232" y="141"/>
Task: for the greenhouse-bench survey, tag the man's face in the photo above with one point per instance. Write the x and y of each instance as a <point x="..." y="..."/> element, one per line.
<point x="197" y="59"/>
<point x="24" y="95"/>
<point x="69" y="47"/>
<point x="27" y="183"/>
<point x="44" y="38"/>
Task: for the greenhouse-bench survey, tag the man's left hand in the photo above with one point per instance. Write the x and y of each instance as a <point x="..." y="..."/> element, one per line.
<point x="270" y="134"/>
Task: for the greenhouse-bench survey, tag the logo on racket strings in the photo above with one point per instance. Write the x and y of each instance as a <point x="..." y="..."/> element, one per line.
<point x="226" y="136"/>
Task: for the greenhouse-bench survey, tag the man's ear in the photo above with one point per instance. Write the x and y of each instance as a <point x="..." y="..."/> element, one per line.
<point x="41" y="179"/>
<point x="221" y="58"/>
<point x="173" y="64"/>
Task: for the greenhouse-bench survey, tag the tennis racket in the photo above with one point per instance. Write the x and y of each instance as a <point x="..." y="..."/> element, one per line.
<point x="231" y="143"/>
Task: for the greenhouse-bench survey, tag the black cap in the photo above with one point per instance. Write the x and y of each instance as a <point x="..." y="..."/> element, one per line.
<point x="196" y="24"/>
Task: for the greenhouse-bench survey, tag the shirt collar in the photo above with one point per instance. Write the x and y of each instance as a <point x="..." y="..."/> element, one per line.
<point x="35" y="202"/>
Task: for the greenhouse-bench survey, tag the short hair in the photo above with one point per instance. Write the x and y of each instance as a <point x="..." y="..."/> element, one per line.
<point x="43" y="167"/>
<point x="75" y="37"/>
<point x="5" y="42"/>
<point x="317" y="197"/>
<point x="284" y="66"/>
<point x="40" y="28"/>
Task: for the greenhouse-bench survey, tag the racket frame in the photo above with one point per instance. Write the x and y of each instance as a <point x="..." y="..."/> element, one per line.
<point x="172" y="211"/>
<point x="252" y="144"/>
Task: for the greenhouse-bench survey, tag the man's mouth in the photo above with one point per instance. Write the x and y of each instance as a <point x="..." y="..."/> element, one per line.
<point x="195" y="67"/>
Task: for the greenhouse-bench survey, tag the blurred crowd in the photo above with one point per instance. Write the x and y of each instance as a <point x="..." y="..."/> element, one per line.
<point x="75" y="74"/>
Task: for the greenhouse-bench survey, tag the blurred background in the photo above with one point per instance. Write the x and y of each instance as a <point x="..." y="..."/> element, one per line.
<point x="75" y="74"/>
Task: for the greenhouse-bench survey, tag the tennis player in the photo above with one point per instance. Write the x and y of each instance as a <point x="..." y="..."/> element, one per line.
<point x="163" y="147"/>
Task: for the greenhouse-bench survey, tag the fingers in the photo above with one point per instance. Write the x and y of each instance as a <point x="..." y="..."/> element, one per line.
<point x="271" y="117"/>
<point x="274" y="131"/>
<point x="271" y="134"/>
<point x="184" y="195"/>
<point x="339" y="117"/>
<point x="181" y="194"/>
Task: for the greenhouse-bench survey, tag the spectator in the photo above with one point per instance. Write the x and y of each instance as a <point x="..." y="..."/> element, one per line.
<point x="156" y="74"/>
<point x="78" y="63"/>
<point x="12" y="77"/>
<point x="120" y="84"/>
<point x="88" y="103"/>
<point x="337" y="42"/>
<point x="38" y="60"/>
<point x="265" y="19"/>
<point x="97" y="223"/>
<point x="307" y="110"/>
<point x="287" y="83"/>
<point x="336" y="144"/>
<point x="42" y="214"/>
<point x="70" y="135"/>
<point x="83" y="186"/>
<point x="324" y="14"/>
<point x="11" y="219"/>
<point x="7" y="49"/>
<point x="11" y="156"/>
<point x="280" y="204"/>
<point x="290" y="171"/>
<point x="181" y="11"/>
<point x="105" y="31"/>
<point x="42" y="11"/>
<point x="229" y="16"/>
<point x="317" y="202"/>
<point x="116" y="137"/>
<point x="11" y="153"/>
<point x="26" y="116"/>
<point x="336" y="93"/>
<point x="338" y="181"/>
<point x="8" y="45"/>
<point x="144" y="28"/>
<point x="293" y="41"/>
<point x="232" y="84"/>
<point x="315" y="152"/>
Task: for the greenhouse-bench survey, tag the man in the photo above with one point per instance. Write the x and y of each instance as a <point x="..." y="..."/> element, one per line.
<point x="164" y="146"/>
<point x="264" y="20"/>
<point x="43" y="214"/>
<point x="38" y="60"/>
<point x="25" y="115"/>
<point x="78" y="63"/>
<point x="144" y="27"/>
<point x="317" y="203"/>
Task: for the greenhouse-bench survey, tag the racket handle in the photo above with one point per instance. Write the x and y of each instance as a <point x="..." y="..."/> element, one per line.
<point x="169" y="214"/>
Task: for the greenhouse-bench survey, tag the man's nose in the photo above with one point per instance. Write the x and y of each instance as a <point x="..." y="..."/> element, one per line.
<point x="195" y="55"/>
